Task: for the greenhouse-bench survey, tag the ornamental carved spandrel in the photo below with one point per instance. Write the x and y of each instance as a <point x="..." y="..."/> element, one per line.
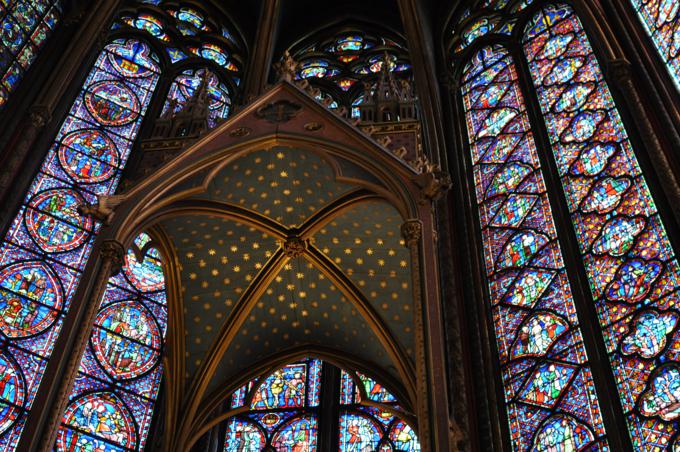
<point x="278" y="112"/>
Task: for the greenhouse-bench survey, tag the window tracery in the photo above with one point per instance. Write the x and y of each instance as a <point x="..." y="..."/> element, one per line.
<point x="24" y="29"/>
<point x="627" y="256"/>
<point x="284" y="413"/>
<point x="347" y="64"/>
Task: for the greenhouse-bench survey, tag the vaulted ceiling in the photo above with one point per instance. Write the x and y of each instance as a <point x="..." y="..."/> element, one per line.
<point x="354" y="264"/>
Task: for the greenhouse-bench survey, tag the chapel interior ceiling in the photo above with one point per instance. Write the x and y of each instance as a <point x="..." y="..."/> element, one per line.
<point x="355" y="254"/>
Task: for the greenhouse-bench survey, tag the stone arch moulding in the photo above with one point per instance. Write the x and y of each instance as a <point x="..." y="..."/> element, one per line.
<point x="286" y="117"/>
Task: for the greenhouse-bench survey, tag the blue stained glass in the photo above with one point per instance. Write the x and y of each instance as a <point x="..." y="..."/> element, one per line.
<point x="24" y="28"/>
<point x="49" y="242"/>
<point x="630" y="264"/>
<point x="122" y="360"/>
<point x="661" y="20"/>
<point x="529" y="294"/>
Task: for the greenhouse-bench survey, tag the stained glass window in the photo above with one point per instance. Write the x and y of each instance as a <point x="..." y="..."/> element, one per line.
<point x="112" y="400"/>
<point x="24" y="28"/>
<point x="284" y="413"/>
<point x="48" y="244"/>
<point x="661" y="20"/>
<point x="344" y="66"/>
<point x="378" y="426"/>
<point x="187" y="34"/>
<point x="629" y="261"/>
<point x="544" y="365"/>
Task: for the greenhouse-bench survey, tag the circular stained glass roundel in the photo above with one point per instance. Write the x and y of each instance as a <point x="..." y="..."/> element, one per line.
<point x="112" y="103"/>
<point x="53" y="221"/>
<point x="97" y="421"/>
<point x="126" y="340"/>
<point x="30" y="297"/>
<point x="12" y="392"/>
<point x="88" y="156"/>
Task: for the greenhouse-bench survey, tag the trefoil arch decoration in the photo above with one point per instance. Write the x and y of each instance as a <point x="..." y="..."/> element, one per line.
<point x="346" y="65"/>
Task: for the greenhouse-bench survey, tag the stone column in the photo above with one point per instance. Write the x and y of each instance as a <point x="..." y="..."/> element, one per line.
<point x="263" y="50"/>
<point x="110" y="263"/>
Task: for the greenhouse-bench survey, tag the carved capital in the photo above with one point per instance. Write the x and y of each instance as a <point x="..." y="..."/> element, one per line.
<point x="620" y="71"/>
<point x="113" y="251"/>
<point x="412" y="231"/>
<point x="294" y="247"/>
<point x="39" y="115"/>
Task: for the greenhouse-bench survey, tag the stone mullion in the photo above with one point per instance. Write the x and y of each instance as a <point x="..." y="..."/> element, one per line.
<point x="94" y="29"/>
<point x="44" y="420"/>
<point x="260" y="61"/>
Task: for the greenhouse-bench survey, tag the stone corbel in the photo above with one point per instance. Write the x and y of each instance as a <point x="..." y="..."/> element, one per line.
<point x="433" y="184"/>
<point x="104" y="210"/>
<point x="412" y="231"/>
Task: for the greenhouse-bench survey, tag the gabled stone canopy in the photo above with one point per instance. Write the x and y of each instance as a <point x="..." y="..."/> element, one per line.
<point x="285" y="225"/>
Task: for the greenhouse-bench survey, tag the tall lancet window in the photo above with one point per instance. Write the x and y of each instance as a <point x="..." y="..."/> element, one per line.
<point x="47" y="246"/>
<point x="632" y="269"/>
<point x="24" y="28"/>
<point x="549" y="392"/>
<point x="661" y="20"/>
<point x="111" y="404"/>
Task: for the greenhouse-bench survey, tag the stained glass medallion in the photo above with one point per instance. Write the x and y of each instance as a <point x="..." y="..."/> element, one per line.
<point x="284" y="413"/>
<point x="545" y="370"/>
<point x="49" y="241"/>
<point x="629" y="261"/>
<point x="112" y="402"/>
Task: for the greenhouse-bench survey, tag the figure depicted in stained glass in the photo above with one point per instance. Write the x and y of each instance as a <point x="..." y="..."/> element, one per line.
<point x="628" y="258"/>
<point x="123" y="359"/>
<point x="285" y="406"/>
<point x="530" y="297"/>
<point x="49" y="243"/>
